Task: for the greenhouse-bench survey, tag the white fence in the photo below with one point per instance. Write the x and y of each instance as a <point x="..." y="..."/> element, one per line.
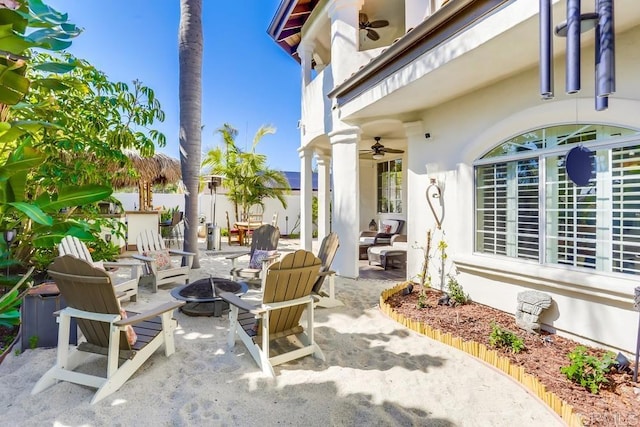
<point x="287" y="218"/>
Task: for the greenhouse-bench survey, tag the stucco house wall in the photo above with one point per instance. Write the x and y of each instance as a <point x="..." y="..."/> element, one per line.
<point x="590" y="305"/>
<point x="461" y="82"/>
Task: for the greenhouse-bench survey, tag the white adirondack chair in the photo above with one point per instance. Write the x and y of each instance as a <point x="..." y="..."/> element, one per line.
<point x="152" y="251"/>
<point x="126" y="287"/>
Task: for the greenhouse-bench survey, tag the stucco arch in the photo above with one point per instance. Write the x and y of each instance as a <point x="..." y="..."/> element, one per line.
<point x="320" y="144"/>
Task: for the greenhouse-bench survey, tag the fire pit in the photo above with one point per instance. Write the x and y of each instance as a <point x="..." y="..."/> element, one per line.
<point x="202" y="298"/>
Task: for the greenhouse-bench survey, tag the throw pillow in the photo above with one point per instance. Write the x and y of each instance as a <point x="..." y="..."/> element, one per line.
<point x="389" y="226"/>
<point x="258" y="257"/>
<point x="132" y="337"/>
<point x="162" y="258"/>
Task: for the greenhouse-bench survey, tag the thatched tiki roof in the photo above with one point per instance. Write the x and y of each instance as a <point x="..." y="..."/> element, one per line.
<point x="158" y="169"/>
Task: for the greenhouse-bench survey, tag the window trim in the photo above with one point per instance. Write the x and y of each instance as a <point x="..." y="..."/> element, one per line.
<point x="619" y="287"/>
<point x="402" y="186"/>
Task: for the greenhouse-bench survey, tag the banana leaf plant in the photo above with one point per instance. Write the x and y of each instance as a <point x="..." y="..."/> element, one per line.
<point x="10" y="302"/>
<point x="39" y="223"/>
<point x="49" y="30"/>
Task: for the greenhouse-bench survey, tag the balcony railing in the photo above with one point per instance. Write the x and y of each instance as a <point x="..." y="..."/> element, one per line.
<point x="316" y="106"/>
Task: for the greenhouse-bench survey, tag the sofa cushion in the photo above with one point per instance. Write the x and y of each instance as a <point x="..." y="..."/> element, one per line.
<point x="400" y="246"/>
<point x="367" y="240"/>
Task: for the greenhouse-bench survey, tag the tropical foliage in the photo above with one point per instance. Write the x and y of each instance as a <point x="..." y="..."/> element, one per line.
<point x="63" y="126"/>
<point x="247" y="177"/>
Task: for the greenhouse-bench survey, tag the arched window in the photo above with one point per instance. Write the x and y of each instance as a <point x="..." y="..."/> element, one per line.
<point x="526" y="206"/>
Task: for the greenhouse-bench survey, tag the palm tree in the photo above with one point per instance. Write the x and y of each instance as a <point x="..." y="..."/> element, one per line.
<point x="248" y="179"/>
<point x="190" y="46"/>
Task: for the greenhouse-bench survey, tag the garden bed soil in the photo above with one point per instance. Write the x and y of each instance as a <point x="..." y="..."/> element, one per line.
<point x="618" y="403"/>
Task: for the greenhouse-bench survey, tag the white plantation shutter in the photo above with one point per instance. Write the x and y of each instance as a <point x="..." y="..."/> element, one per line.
<point x="507" y="209"/>
<point x="596" y="226"/>
<point x="626" y="209"/>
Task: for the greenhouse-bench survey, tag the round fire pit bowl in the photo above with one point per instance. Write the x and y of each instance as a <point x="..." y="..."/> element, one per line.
<point x="203" y="300"/>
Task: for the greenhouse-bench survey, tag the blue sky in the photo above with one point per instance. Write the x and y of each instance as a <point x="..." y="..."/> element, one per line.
<point x="247" y="80"/>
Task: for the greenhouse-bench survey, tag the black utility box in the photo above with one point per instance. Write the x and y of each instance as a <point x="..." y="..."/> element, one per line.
<point x="39" y="327"/>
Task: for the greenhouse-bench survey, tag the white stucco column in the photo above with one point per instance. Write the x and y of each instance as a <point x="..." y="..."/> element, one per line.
<point x="346" y="208"/>
<point x="306" y="197"/>
<point x="305" y="53"/>
<point x="344" y="15"/>
<point x="324" y="195"/>
<point x="413" y="198"/>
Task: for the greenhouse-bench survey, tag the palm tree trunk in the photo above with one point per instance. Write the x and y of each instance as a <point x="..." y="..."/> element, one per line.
<point x="190" y="47"/>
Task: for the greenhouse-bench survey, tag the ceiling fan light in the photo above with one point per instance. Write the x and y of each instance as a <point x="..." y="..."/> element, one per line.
<point x="377" y="156"/>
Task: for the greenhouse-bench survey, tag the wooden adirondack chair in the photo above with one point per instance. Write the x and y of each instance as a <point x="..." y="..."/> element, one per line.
<point x="287" y="292"/>
<point x="125" y="288"/>
<point x="327" y="253"/>
<point x="162" y="264"/>
<point x="263" y="252"/>
<point x="91" y="299"/>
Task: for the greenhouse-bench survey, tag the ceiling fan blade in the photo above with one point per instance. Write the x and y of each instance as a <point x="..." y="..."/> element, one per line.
<point x="379" y="23"/>
<point x="392" y="150"/>
<point x="363" y="18"/>
<point x="372" y="35"/>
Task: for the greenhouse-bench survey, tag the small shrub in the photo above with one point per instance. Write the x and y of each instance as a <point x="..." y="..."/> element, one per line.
<point x="500" y="337"/>
<point x="422" y="300"/>
<point x="103" y="251"/>
<point x="456" y="292"/>
<point x="587" y="370"/>
<point x="42" y="257"/>
<point x="33" y="342"/>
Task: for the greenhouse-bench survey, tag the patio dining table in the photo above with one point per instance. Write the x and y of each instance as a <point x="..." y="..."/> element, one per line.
<point x="245" y="228"/>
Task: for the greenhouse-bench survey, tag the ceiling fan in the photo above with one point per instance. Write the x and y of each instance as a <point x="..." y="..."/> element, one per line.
<point x="378" y="150"/>
<point x="369" y="26"/>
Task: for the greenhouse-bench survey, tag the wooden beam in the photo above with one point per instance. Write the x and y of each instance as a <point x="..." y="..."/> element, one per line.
<point x="287" y="33"/>
<point x="302" y="9"/>
<point x="294" y="23"/>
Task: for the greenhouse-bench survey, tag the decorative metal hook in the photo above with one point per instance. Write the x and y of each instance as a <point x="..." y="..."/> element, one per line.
<point x="435" y="192"/>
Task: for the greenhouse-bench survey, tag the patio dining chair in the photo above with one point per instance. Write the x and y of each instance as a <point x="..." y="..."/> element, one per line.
<point x="234" y="233"/>
<point x="171" y="229"/>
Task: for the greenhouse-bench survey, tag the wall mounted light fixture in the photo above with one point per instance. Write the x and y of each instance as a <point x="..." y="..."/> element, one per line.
<point x="434" y="195"/>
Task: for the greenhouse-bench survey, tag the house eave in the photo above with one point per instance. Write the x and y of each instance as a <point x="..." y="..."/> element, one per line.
<point x="447" y="21"/>
<point x="287" y="22"/>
